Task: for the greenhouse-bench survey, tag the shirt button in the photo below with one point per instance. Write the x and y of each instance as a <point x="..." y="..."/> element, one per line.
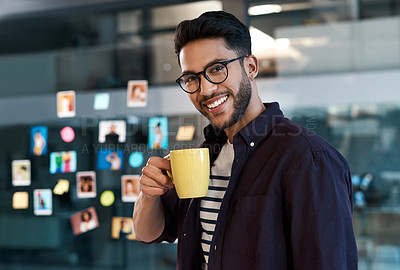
<point x="252" y="144"/>
<point x="215" y="247"/>
<point x="184" y="234"/>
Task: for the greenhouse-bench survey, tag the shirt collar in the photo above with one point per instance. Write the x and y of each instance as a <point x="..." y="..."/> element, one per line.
<point x="255" y="131"/>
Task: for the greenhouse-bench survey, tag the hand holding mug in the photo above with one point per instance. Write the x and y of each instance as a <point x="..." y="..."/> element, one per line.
<point x="154" y="180"/>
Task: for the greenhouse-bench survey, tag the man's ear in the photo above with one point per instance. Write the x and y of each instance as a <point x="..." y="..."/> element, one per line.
<point x="252" y="64"/>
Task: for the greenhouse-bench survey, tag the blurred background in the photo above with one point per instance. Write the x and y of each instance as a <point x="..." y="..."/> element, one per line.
<point x="334" y="66"/>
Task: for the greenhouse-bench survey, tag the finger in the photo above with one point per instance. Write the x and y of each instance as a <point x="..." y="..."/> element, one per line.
<point x="153" y="192"/>
<point x="161" y="163"/>
<point x="156" y="174"/>
<point x="155" y="177"/>
<point x="145" y="180"/>
<point x="151" y="187"/>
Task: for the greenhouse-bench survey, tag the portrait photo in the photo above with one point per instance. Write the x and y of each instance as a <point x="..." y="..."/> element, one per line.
<point x="66" y="104"/>
<point x="110" y="159"/>
<point x="137" y="93"/>
<point x="84" y="221"/>
<point x="158" y="133"/>
<point x="86" y="184"/>
<point x="63" y="162"/>
<point x="42" y="202"/>
<point x="130" y="187"/>
<point x="122" y="228"/>
<point x="21" y="172"/>
<point x="112" y="131"/>
<point x="38" y="140"/>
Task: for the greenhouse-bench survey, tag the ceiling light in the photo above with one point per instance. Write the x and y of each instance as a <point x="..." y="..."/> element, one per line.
<point x="264" y="9"/>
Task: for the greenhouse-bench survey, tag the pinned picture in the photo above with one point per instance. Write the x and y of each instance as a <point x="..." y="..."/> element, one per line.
<point x="86" y="184"/>
<point x="137" y="93"/>
<point x="84" y="221"/>
<point x="158" y="133"/>
<point x="21" y="172"/>
<point x="130" y="187"/>
<point x="63" y="162"/>
<point x="122" y="228"/>
<point x="112" y="131"/>
<point x="65" y="104"/>
<point x="110" y="159"/>
<point x="38" y="140"/>
<point x="42" y="202"/>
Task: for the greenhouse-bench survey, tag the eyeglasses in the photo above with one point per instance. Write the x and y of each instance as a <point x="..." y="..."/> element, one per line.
<point x="215" y="73"/>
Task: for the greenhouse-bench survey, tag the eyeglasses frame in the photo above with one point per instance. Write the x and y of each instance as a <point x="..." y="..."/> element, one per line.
<point x="225" y="63"/>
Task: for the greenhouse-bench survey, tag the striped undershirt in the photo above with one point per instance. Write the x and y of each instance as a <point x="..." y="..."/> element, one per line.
<point x="210" y="205"/>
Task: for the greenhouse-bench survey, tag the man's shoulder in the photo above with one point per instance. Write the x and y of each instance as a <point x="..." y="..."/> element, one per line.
<point x="302" y="141"/>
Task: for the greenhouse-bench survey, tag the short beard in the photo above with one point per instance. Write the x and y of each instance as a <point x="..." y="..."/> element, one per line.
<point x="240" y="103"/>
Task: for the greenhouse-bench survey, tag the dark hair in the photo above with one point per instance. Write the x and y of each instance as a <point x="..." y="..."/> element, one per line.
<point x="214" y="24"/>
<point x="89" y="214"/>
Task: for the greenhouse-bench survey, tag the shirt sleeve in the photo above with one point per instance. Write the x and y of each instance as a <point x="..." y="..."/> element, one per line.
<point x="319" y="205"/>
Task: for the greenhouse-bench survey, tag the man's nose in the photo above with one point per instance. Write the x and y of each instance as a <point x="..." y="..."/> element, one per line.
<point x="207" y="87"/>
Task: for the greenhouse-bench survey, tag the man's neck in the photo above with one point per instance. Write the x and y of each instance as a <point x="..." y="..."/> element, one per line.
<point x="254" y="109"/>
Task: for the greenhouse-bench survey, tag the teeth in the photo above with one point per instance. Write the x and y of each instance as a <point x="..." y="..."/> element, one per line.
<point x="217" y="102"/>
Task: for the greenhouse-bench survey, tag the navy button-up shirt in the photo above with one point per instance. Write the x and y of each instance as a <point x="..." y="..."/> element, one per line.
<point x="288" y="204"/>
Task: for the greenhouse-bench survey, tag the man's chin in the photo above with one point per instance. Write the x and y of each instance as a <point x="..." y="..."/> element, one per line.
<point x="218" y="125"/>
<point x="221" y="126"/>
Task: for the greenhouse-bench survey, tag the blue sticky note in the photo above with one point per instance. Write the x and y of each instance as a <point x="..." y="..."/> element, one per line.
<point x="101" y="101"/>
<point x="136" y="159"/>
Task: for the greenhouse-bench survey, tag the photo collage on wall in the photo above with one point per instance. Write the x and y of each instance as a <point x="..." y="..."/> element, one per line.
<point x="109" y="156"/>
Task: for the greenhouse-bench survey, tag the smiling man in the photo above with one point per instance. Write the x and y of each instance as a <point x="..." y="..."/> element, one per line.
<point x="280" y="197"/>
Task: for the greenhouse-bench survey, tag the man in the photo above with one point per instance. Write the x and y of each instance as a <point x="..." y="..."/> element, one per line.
<point x="280" y="197"/>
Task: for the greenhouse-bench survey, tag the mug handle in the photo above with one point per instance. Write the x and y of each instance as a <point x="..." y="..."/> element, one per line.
<point x="169" y="173"/>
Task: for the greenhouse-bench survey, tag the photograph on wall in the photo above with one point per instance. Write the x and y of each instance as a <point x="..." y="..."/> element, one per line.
<point x="42" y="202"/>
<point x="122" y="228"/>
<point x="21" y="172"/>
<point x="137" y="93"/>
<point x="158" y="133"/>
<point x="110" y="159"/>
<point x="113" y="131"/>
<point x="130" y="187"/>
<point x="86" y="184"/>
<point x="38" y="140"/>
<point x="63" y="162"/>
<point x="84" y="221"/>
<point x="66" y="104"/>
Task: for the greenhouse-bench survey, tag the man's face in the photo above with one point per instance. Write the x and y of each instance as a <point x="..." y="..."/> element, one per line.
<point x="223" y="104"/>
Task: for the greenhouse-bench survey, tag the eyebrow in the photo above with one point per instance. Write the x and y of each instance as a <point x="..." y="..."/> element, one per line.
<point x="218" y="60"/>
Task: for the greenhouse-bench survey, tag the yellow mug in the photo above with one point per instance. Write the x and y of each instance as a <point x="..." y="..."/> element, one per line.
<point x="190" y="172"/>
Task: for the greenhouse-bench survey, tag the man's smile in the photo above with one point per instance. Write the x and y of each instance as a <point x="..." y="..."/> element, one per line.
<point x="215" y="104"/>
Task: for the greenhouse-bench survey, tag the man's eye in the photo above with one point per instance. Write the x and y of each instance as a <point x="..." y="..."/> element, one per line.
<point x="190" y="79"/>
<point x="216" y="68"/>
